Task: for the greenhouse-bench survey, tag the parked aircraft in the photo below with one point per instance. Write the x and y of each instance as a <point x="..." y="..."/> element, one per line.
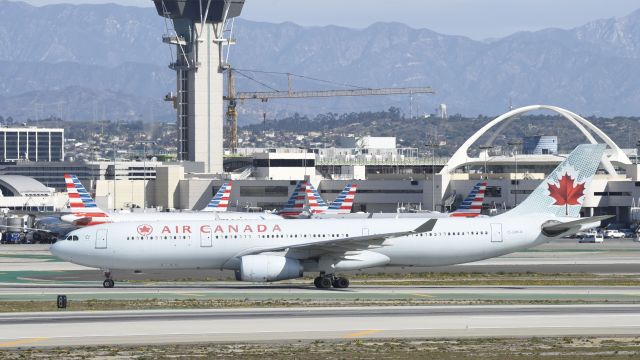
<point x="472" y="204"/>
<point x="220" y="201"/>
<point x="305" y="202"/>
<point x="259" y="250"/>
<point x="84" y="211"/>
<point x="343" y="204"/>
<point x="295" y="206"/>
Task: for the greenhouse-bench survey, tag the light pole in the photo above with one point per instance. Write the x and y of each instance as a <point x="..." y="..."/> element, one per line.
<point x="144" y="175"/>
<point x="516" y="144"/>
<point x="115" y="186"/>
<point x="486" y="149"/>
<point x="433" y="146"/>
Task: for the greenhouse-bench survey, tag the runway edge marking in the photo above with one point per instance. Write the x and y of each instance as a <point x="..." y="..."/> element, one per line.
<point x="362" y="333"/>
<point x="21" y="342"/>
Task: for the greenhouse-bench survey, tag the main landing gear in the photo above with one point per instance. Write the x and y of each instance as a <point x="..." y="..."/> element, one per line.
<point x="327" y="281"/>
<point x="108" y="282"/>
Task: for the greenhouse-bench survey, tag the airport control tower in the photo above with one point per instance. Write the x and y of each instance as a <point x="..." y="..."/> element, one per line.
<point x="197" y="29"/>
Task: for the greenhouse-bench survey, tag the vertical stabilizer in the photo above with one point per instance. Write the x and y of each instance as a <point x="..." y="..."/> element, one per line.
<point x="343" y="204"/>
<point x="220" y="202"/>
<point x="562" y="192"/>
<point x="472" y="205"/>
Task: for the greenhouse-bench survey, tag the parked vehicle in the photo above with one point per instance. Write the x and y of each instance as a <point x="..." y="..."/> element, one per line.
<point x="613" y="234"/>
<point x="591" y="238"/>
<point x="628" y="233"/>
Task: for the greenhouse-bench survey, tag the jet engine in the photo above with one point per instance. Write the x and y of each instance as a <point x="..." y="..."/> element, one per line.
<point x="268" y="268"/>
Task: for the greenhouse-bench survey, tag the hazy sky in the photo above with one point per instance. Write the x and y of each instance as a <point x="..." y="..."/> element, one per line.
<point x="477" y="19"/>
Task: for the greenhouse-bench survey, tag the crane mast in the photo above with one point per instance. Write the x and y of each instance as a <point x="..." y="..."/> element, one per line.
<point x="233" y="97"/>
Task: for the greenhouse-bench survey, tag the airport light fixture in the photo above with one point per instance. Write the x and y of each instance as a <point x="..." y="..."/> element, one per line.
<point x="433" y="146"/>
<point x="486" y="149"/>
<point x="516" y="144"/>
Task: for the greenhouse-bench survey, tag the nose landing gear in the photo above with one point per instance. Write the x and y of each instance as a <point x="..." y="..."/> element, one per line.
<point x="327" y="281"/>
<point x="108" y="282"/>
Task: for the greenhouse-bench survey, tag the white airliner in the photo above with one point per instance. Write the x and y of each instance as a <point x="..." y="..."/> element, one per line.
<point x="85" y="212"/>
<point x="259" y="250"/>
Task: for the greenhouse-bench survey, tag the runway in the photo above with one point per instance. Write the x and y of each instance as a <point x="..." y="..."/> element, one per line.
<point x="303" y="292"/>
<point x="290" y="325"/>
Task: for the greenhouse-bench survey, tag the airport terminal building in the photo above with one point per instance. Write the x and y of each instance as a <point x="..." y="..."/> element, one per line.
<point x="388" y="177"/>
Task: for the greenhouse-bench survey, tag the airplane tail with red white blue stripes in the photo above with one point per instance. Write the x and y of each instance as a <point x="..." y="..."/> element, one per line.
<point x="472" y="205"/>
<point x="220" y="202"/>
<point x="83" y="209"/>
<point x="344" y="201"/>
<point x="295" y="204"/>
<point x="316" y="202"/>
<point x="341" y="205"/>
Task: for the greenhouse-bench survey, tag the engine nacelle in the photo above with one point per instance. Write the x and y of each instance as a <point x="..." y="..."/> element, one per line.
<point x="268" y="268"/>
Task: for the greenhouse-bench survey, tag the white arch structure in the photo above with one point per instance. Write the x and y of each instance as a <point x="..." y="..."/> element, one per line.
<point x="461" y="157"/>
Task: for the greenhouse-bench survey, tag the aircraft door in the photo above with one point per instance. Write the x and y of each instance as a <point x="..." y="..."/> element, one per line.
<point x="496" y="233"/>
<point x="206" y="239"/>
<point x="101" y="239"/>
<point x="365" y="232"/>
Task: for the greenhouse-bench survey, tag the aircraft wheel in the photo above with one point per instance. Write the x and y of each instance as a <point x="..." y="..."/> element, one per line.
<point x="341" y="283"/>
<point x="316" y="282"/>
<point x="325" y="282"/>
<point x="108" y="283"/>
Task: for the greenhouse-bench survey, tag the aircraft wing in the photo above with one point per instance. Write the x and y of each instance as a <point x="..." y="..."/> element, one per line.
<point x="555" y="229"/>
<point x="338" y="246"/>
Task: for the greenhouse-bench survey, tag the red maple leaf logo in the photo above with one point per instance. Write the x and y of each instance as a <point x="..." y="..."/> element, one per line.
<point x="566" y="194"/>
<point x="144" y="229"/>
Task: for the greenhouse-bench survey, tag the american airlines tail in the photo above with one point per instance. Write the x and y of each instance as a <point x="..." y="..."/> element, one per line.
<point x="341" y="205"/>
<point x="220" y="202"/>
<point x="563" y="191"/>
<point x="295" y="205"/>
<point x="316" y="202"/>
<point x="472" y="205"/>
<point x="344" y="202"/>
<point x="83" y="209"/>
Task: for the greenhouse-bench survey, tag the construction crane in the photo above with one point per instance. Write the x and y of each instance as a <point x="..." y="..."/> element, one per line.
<point x="233" y="97"/>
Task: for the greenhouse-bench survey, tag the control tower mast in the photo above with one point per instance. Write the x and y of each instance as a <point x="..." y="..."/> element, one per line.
<point x="199" y="36"/>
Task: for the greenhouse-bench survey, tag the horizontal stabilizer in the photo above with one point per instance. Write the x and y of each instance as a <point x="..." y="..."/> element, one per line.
<point x="556" y="229"/>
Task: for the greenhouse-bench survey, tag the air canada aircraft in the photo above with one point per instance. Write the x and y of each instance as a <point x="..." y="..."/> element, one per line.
<point x="262" y="251"/>
<point x="85" y="212"/>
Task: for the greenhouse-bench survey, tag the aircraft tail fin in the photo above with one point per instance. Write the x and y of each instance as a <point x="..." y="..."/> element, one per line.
<point x="472" y="205"/>
<point x="220" y="201"/>
<point x="295" y="203"/>
<point x="562" y="192"/>
<point x="344" y="202"/>
<point x="79" y="198"/>
<point x="316" y="202"/>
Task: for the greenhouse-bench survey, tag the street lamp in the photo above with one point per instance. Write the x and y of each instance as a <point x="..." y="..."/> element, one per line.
<point x="433" y="146"/>
<point x="144" y="178"/>
<point x="486" y="149"/>
<point x="516" y="144"/>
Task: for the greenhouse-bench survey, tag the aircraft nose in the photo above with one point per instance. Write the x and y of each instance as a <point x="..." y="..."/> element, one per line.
<point x="58" y="249"/>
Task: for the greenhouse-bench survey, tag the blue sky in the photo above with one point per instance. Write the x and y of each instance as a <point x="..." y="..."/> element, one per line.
<point x="478" y="19"/>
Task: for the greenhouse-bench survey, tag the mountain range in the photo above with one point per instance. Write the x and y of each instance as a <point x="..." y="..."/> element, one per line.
<point x="85" y="62"/>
